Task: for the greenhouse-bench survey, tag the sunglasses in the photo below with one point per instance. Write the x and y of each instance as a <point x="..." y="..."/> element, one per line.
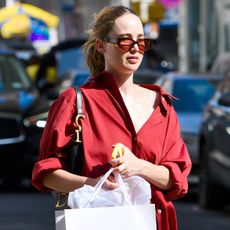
<point x="126" y="43"/>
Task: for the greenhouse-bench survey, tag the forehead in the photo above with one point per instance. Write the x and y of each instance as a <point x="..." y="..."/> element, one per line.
<point x="128" y="23"/>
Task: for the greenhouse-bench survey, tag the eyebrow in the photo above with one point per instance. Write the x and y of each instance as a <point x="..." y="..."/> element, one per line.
<point x="130" y="35"/>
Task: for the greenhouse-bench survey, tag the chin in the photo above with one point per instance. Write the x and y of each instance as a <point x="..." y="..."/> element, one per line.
<point x="129" y="72"/>
<point x="132" y="70"/>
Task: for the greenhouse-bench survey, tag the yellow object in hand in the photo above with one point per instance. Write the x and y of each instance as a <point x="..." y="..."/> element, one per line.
<point x="117" y="151"/>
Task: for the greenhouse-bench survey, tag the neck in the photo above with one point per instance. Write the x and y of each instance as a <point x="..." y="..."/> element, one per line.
<point x="123" y="81"/>
<point x="126" y="87"/>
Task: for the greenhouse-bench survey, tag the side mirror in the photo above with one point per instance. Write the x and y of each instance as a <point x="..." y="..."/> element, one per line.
<point x="224" y="99"/>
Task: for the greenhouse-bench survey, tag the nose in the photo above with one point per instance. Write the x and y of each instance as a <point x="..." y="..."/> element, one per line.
<point x="135" y="47"/>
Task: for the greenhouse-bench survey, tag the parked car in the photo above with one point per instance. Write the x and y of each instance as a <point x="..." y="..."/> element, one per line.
<point x="22" y="115"/>
<point x="215" y="149"/>
<point x="67" y="64"/>
<point x="146" y="76"/>
<point x="23" y="50"/>
<point x="155" y="60"/>
<point x="192" y="91"/>
<point x="152" y="67"/>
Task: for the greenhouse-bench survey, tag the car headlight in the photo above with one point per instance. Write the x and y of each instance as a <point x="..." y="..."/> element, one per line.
<point x="38" y="120"/>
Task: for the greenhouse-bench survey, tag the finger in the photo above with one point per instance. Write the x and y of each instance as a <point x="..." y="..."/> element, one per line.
<point x="121" y="168"/>
<point x="110" y="185"/>
<point x="116" y="162"/>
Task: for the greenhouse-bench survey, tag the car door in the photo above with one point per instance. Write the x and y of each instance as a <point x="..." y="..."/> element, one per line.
<point x="221" y="138"/>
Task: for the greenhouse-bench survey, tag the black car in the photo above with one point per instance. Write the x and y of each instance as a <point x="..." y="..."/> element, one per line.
<point x="215" y="149"/>
<point x="23" y="50"/>
<point x="193" y="91"/>
<point x="67" y="62"/>
<point x="22" y="118"/>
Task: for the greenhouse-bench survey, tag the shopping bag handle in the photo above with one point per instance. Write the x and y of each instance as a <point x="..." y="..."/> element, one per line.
<point x="118" y="179"/>
<point x="121" y="183"/>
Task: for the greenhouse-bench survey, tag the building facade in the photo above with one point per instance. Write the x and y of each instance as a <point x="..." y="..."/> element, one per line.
<point x="202" y="33"/>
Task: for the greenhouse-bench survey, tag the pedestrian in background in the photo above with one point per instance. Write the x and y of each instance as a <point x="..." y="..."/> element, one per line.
<point x="140" y="117"/>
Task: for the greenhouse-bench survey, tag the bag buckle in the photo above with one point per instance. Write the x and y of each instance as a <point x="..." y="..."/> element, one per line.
<point x="78" y="128"/>
<point x="62" y="199"/>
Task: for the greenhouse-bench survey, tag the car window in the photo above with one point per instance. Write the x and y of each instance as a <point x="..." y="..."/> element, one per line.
<point x="193" y="94"/>
<point x="13" y="75"/>
<point x="70" y="59"/>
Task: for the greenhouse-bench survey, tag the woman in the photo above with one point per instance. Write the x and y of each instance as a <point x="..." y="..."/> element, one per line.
<point x="116" y="110"/>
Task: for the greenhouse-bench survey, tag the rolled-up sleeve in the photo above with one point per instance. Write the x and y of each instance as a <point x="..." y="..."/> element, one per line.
<point x="179" y="171"/>
<point x="176" y="158"/>
<point x="55" y="138"/>
<point x="41" y="167"/>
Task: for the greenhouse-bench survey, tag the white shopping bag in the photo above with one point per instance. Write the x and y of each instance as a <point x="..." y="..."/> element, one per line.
<point x="131" y="217"/>
<point x="125" y="211"/>
<point x="131" y="191"/>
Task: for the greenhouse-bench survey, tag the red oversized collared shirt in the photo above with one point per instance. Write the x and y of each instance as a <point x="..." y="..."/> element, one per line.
<point x="107" y="122"/>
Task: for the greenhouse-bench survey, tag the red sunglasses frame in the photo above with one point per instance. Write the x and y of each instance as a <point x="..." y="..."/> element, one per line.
<point x="127" y="47"/>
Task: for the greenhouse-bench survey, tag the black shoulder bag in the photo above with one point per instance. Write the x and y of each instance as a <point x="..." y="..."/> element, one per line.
<point x="75" y="151"/>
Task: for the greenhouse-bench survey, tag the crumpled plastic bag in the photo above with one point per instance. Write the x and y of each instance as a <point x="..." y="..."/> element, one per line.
<point x="131" y="191"/>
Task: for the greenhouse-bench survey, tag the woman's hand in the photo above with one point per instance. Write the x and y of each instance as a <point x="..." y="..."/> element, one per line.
<point x="108" y="184"/>
<point x="127" y="164"/>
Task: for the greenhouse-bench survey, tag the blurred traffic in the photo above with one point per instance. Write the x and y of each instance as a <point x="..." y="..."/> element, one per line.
<point x="45" y="56"/>
<point x="192" y="92"/>
<point x="23" y="112"/>
<point x="215" y="149"/>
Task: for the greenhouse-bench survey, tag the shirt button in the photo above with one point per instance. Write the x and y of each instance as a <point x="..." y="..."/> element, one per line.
<point x="159" y="211"/>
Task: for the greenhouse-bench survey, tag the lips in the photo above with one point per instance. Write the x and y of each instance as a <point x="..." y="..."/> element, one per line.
<point x="133" y="59"/>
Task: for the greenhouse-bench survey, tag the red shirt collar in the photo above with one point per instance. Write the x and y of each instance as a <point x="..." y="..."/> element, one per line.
<point x="106" y="80"/>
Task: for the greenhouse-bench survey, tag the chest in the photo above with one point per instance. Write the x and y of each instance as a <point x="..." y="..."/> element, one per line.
<point x="111" y="124"/>
<point x="140" y="109"/>
<point x="140" y="112"/>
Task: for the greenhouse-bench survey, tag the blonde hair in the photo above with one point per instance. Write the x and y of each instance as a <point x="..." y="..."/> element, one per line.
<point x="103" y="25"/>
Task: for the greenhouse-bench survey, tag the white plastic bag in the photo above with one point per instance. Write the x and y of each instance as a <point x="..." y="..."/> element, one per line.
<point x="131" y="191"/>
<point x="92" y="203"/>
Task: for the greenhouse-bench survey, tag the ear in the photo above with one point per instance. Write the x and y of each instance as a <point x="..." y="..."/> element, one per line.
<point x="100" y="45"/>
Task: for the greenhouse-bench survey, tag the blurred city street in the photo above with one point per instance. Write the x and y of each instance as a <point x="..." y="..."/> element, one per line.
<point x="34" y="211"/>
<point x="26" y="211"/>
<point x="41" y="55"/>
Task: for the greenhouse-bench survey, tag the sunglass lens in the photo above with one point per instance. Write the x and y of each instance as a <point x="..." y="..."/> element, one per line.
<point x="147" y="44"/>
<point x="125" y="43"/>
<point x="141" y="44"/>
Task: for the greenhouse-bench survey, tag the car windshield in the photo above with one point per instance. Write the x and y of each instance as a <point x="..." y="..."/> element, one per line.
<point x="193" y="94"/>
<point x="12" y="75"/>
<point x="70" y="59"/>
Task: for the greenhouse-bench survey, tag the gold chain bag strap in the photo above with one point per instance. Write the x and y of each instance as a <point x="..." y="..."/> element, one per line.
<point x="75" y="151"/>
